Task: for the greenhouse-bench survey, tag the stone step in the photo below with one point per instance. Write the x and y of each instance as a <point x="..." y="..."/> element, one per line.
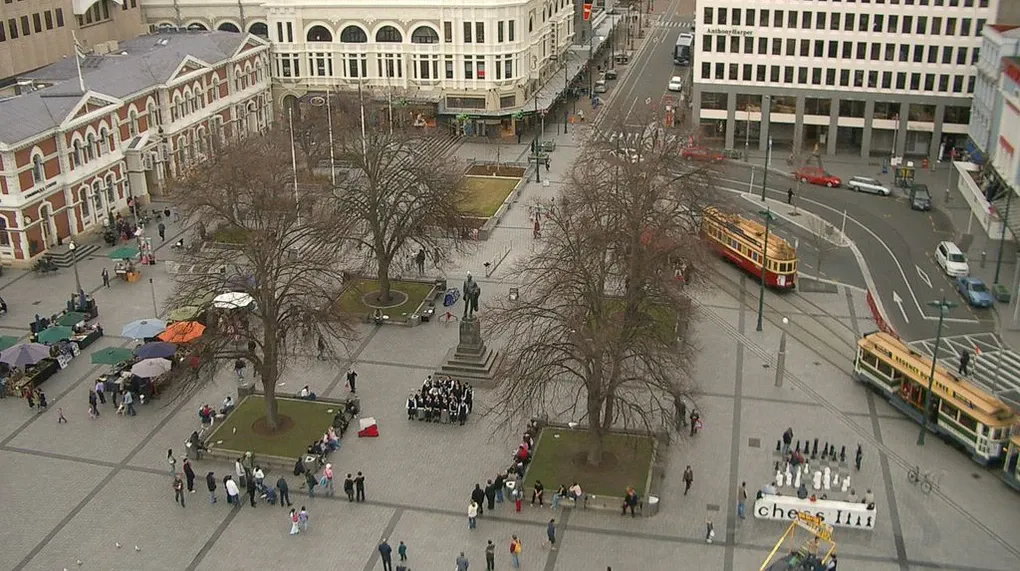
<point x="61" y="255"/>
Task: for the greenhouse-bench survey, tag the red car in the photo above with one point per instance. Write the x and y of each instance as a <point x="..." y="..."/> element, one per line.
<point x="816" y="175"/>
<point x="702" y="154"/>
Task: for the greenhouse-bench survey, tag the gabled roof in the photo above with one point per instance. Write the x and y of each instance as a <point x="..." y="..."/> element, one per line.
<point x="136" y="66"/>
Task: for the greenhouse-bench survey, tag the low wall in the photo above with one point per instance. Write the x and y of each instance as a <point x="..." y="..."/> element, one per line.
<point x="516" y="170"/>
<point x="414" y="317"/>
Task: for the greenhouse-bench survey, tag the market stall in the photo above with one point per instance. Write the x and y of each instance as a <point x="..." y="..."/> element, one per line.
<point x="26" y="366"/>
<point x="126" y="267"/>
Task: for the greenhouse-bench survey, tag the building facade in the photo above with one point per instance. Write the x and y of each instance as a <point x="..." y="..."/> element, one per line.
<point x="83" y="145"/>
<point x="36" y="33"/>
<point x="998" y="41"/>
<point x="892" y="78"/>
<point x="485" y="58"/>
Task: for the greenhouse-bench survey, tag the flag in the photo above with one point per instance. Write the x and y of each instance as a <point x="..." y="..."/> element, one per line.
<point x="79" y="48"/>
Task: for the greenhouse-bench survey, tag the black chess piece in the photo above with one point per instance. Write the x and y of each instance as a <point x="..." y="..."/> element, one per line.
<point x="797" y="449"/>
<point x="777" y="465"/>
<point x="858" y="458"/>
<point x="842" y="453"/>
<point x="779" y="445"/>
<point x="814" y="450"/>
<point x="825" y="450"/>
<point x="833" y="455"/>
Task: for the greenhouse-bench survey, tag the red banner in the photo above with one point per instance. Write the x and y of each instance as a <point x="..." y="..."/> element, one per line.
<point x="586" y="14"/>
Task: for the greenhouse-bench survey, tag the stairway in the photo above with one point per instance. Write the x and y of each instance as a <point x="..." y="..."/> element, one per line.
<point x="1009" y="209"/>
<point x="61" y="255"/>
<point x="438" y="146"/>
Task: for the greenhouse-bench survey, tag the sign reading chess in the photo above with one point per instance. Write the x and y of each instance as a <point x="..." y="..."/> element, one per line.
<point x="839" y="514"/>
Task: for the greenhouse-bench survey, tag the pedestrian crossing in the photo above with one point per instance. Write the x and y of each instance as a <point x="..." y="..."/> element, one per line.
<point x="674" y="24"/>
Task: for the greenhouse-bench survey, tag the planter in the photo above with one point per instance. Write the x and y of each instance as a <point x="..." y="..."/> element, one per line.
<point x="1001" y="293"/>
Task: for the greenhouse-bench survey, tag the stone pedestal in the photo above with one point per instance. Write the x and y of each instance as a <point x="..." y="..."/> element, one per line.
<point x="471" y="360"/>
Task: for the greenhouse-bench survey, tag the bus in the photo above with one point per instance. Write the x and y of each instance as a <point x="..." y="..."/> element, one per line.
<point x="739" y="240"/>
<point x="960" y="411"/>
<point x="683" y="50"/>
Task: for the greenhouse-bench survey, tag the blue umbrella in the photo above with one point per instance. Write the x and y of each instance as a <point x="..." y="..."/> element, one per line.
<point x="156" y="350"/>
<point x="144" y="328"/>
<point x="24" y="354"/>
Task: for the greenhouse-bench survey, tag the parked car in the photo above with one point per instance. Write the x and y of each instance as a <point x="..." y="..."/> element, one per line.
<point x="609" y="74"/>
<point x="869" y="185"/>
<point x="601" y="86"/>
<point x="816" y="175"/>
<point x="951" y="259"/>
<point x="701" y="154"/>
<point x="920" y="198"/>
<point x="974" y="291"/>
<point x="676" y="83"/>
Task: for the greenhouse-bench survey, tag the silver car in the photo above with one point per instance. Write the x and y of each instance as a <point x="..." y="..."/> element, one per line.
<point x="865" y="184"/>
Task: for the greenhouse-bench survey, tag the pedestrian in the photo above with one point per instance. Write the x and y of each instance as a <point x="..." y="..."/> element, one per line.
<point x="349" y="488"/>
<point x="210" y="482"/>
<point x="490" y="556"/>
<point x="964" y="361"/>
<point x="516" y="547"/>
<point x="550" y="533"/>
<point x="162" y="231"/>
<point x="787" y="440"/>
<point x="630" y="501"/>
<point x="386" y="553"/>
<point x="478" y="497"/>
<point x="328" y="474"/>
<point x="311" y="483"/>
<point x="547" y="165"/>
<point x="40" y="398"/>
<point x="260" y="478"/>
<point x="490" y="495"/>
<point x="352" y="380"/>
<point x="419" y="260"/>
<point x="239" y="369"/>
<point x="538" y="492"/>
<point x="518" y="497"/>
<point x="172" y="461"/>
<point x="232" y="491"/>
<point x="695" y="422"/>
<point x="402" y="551"/>
<point x="303" y="518"/>
<point x="833" y="562"/>
<point x="252" y="489"/>
<point x="189" y="475"/>
<point x="741" y="499"/>
<point x="178" y="491"/>
<point x="93" y="401"/>
<point x="498" y="484"/>
<point x="472" y="514"/>
<point x="284" y="491"/>
<point x="789" y="196"/>
<point x="129" y="403"/>
<point x="688" y="479"/>
<point x="359" y="487"/>
<point x="462" y="562"/>
<point x="60" y="416"/>
<point x="321" y="346"/>
<point x="294" y="519"/>
<point x="100" y="392"/>
<point x="858" y="458"/>
<point x="709" y="531"/>
<point x="106" y="277"/>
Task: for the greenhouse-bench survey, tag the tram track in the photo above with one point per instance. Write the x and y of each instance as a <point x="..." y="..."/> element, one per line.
<point x="838" y="358"/>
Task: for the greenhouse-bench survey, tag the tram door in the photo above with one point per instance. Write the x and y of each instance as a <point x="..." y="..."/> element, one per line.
<point x="912" y="393"/>
<point x="933" y="412"/>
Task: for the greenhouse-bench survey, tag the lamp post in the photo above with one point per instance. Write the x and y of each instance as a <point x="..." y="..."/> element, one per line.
<point x="942" y="306"/>
<point x="566" y="88"/>
<point x="766" y="102"/>
<point x="73" y="247"/>
<point x="538" y="170"/>
<point x="152" y="288"/>
<point x="781" y="357"/>
<point x="765" y="173"/>
<point x="769" y="217"/>
<point x="1002" y="237"/>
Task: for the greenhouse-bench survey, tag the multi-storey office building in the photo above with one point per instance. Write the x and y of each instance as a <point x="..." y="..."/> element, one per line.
<point x="891" y="77"/>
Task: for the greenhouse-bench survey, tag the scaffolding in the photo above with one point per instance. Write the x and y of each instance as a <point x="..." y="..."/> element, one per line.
<point x="814" y="554"/>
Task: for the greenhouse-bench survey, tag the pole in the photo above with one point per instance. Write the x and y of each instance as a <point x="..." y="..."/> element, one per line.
<point x="764" y="266"/>
<point x="74" y="264"/>
<point x="329" y="121"/>
<point x="538" y="170"/>
<point x="152" y="288"/>
<point x="765" y="175"/>
<point x="943" y="305"/>
<point x="293" y="152"/>
<point x="747" y="133"/>
<point x="591" y="63"/>
<point x="750" y="184"/>
<point x="364" y="142"/>
<point x="781" y="357"/>
<point x="566" y="88"/>
<point x="1002" y="238"/>
<point x="389" y="101"/>
<point x="612" y="41"/>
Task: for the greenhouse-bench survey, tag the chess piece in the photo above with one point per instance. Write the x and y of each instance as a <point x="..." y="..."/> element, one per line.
<point x="798" y="446"/>
<point x="825" y="451"/>
<point x="846" y="484"/>
<point x="779" y="446"/>
<point x="858" y="457"/>
<point x="816" y="480"/>
<point x="779" y="479"/>
<point x="842" y="453"/>
<point x="827" y="478"/>
<point x="796" y="480"/>
<point x="835" y="479"/>
<point x="814" y="450"/>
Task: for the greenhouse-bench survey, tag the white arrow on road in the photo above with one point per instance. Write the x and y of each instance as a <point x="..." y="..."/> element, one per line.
<point x="924" y="276"/>
<point x="899" y="301"/>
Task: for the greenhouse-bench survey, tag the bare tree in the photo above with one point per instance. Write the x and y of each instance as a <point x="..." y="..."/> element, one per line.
<point x="822" y="236"/>
<point x="288" y="260"/>
<point x="599" y="333"/>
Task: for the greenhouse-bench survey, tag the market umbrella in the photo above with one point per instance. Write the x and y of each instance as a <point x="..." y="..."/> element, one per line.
<point x="232" y="300"/>
<point x="8" y="341"/>
<point x="182" y="332"/>
<point x="143" y="328"/>
<point x="111" y="356"/>
<point x="186" y="313"/>
<point x="150" y="368"/>
<point x="123" y="253"/>
<point x="54" y="334"/>
<point x="71" y="318"/>
<point x="156" y="350"/>
<point x="24" y="354"/>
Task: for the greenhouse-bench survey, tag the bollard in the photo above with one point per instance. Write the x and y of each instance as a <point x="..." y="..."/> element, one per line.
<point x="984" y="258"/>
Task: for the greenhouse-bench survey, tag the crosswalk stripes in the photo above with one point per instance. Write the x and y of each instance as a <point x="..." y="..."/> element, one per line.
<point x="678" y="25"/>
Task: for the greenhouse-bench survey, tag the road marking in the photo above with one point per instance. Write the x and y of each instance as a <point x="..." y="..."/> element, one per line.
<point x="899" y="301"/>
<point x="924" y="277"/>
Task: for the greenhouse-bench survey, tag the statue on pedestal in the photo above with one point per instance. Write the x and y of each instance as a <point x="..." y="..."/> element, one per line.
<point x="471" y="293"/>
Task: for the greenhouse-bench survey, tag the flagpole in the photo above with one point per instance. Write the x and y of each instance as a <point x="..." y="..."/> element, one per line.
<point x="78" y="54"/>
<point x="293" y="152"/>
<point x="364" y="143"/>
<point x="329" y="120"/>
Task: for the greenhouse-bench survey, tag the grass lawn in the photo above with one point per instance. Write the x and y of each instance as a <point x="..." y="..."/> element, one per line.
<point x="560" y="459"/>
<point x="310" y="421"/>
<point x="351" y="299"/>
<point x="229" y="235"/>
<point x="484" y="194"/>
<point x="664" y="317"/>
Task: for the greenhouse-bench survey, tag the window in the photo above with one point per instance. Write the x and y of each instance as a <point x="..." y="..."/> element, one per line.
<point x="816" y="76"/>
<point x="878" y="22"/>
<point x="844" y="77"/>
<point x="12" y="27"/>
<point x="858" y="78"/>
<point x="511" y="25"/>
<point x="748" y="45"/>
<point x="508" y="68"/>
<point x="764" y="19"/>
<point x="788" y="74"/>
<point x="761" y="74"/>
<point x="353" y="35"/>
<point x="734" y="44"/>
<point x="706" y="43"/>
<point x="722" y="16"/>
<point x="961" y="56"/>
<point x="950" y="26"/>
<point x="480" y="32"/>
<point x="848" y="23"/>
<point x="980" y="26"/>
<point x="37" y="22"/>
<point x="936" y="26"/>
<point x="733" y="72"/>
<point x="872" y="79"/>
<point x="467" y="32"/>
<point x="449" y="67"/>
<point x="970" y="84"/>
<point x="929" y="82"/>
<point x="848" y="48"/>
<point x="901" y="80"/>
<point x="894" y="23"/>
<point x="957" y="83"/>
<point x="862" y="51"/>
<point x="25" y="29"/>
<point x="947" y="54"/>
<point x="388" y="34"/>
<point x="777" y="46"/>
<point x="48" y="17"/>
<point x="424" y="35"/>
<point x="707" y="18"/>
<point x="38" y="169"/>
<point x="777" y="18"/>
<point x="805" y="20"/>
<point x="830" y="76"/>
<point x="820" y="20"/>
<point x="943" y="82"/>
<point x="706" y="68"/>
<point x="774" y="74"/>
<point x="720" y="44"/>
<point x="719" y="71"/>
<point x="933" y="54"/>
<point x="965" y="27"/>
<point x="763" y="46"/>
<point x="499" y="31"/>
<point x="791" y="19"/>
<point x="791" y="47"/>
<point x="749" y="21"/>
<point x="805" y="48"/>
<point x="819" y="48"/>
<point x="448" y="32"/>
<point x="915" y="81"/>
<point x="469" y="67"/>
<point x="60" y="17"/>
<point x="736" y="16"/>
<point x="862" y="23"/>
<point x="833" y="48"/>
<point x="886" y="79"/>
<point x="908" y="25"/>
<point x="922" y="25"/>
<point x="834" y="21"/>
<point x="904" y="52"/>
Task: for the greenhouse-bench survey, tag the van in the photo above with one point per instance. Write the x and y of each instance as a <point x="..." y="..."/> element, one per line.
<point x="951" y="259"/>
<point x="920" y="198"/>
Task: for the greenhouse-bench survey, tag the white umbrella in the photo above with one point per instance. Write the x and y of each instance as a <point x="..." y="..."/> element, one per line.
<point x="232" y="300"/>
<point x="150" y="368"/>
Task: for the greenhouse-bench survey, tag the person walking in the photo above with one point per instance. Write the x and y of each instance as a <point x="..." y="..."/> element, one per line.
<point x="688" y="479"/>
<point x="349" y="488"/>
<point x="709" y="531"/>
<point x="60" y="416"/>
<point x="252" y="490"/>
<point x="518" y="497"/>
<point x="964" y="361"/>
<point x="490" y="556"/>
<point x="419" y="260"/>
<point x="162" y="231"/>
<point x="129" y="403"/>
<point x="233" y="492"/>
<point x="178" y="491"/>
<point x="284" y="491"/>
<point x="789" y="195"/>
<point x="741" y="500"/>
<point x="171" y="461"/>
<point x="239" y="366"/>
<point x="189" y="475"/>
<point x="516" y="547"/>
<point x="478" y="497"/>
<point x="550" y="533"/>
<point x="402" y="551"/>
<point x="210" y="482"/>
<point x="462" y="562"/>
<point x="106" y="278"/>
<point x="490" y="495"/>
<point x="695" y="422"/>
<point x="93" y="404"/>
<point x="472" y="515"/>
<point x="321" y="346"/>
<point x="498" y="485"/>
<point x="101" y="391"/>
<point x="630" y="501"/>
<point x="787" y="440"/>
<point x="294" y="520"/>
<point x="352" y="380"/>
<point x="386" y="554"/>
<point x="327" y="473"/>
<point x="311" y="483"/>
<point x="359" y="487"/>
<point x="303" y="518"/>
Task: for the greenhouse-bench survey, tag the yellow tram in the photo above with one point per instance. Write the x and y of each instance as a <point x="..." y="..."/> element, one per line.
<point x="961" y="411"/>
<point x="1011" y="465"/>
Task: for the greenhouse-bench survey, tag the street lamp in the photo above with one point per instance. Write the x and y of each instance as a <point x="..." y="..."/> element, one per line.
<point x="152" y="288"/>
<point x="538" y="171"/>
<point x="73" y="246"/>
<point x="765" y="174"/>
<point x="1004" y="220"/>
<point x="769" y="217"/>
<point x="766" y="103"/>
<point x="942" y="306"/>
<point x="781" y="358"/>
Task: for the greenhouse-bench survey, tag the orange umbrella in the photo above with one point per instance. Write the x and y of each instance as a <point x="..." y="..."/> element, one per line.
<point x="182" y="332"/>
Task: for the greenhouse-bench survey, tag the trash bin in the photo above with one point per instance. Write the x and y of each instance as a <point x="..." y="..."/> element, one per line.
<point x="652" y="507"/>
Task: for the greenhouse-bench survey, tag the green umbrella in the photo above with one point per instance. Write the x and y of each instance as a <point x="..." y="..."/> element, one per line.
<point x="186" y="313"/>
<point x="71" y="318"/>
<point x="111" y="356"/>
<point x="53" y="334"/>
<point x="8" y="341"/>
<point x="123" y="253"/>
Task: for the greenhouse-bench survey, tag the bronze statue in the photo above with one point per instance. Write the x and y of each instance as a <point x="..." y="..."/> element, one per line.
<point x="471" y="293"/>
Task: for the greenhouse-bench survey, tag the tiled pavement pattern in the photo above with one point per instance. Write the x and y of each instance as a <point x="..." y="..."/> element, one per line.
<point x="71" y="492"/>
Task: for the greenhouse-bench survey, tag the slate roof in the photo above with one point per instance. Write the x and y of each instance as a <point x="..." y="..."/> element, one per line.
<point x="137" y="65"/>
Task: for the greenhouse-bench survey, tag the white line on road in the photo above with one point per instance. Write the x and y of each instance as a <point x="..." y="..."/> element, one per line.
<point x="923" y="275"/>
<point x="899" y="301"/>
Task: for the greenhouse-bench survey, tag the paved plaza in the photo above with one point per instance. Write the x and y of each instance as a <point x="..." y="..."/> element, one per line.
<point x="72" y="492"/>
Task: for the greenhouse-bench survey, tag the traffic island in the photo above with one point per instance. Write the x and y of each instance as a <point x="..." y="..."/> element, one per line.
<point x="408" y="299"/>
<point x="489" y="191"/>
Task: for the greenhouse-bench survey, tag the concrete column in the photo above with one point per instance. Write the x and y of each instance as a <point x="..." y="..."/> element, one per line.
<point x="830" y="140"/>
<point x="869" y="118"/>
<point x="936" y="135"/>
<point x="731" y="119"/>
<point x="798" y="126"/>
<point x="696" y="106"/>
<point x="901" y="130"/>
<point x="766" y="117"/>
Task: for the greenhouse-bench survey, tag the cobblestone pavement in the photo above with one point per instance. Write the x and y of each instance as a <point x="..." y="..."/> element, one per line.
<point x="73" y="492"/>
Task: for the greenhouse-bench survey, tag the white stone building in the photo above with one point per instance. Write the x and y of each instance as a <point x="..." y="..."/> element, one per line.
<point x="998" y="41"/>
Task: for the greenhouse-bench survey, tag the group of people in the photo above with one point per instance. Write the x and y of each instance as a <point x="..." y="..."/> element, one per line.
<point x="97" y="396"/>
<point x="439" y="395"/>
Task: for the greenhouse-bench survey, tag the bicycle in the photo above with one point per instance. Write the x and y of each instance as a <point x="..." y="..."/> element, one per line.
<point x="925" y="479"/>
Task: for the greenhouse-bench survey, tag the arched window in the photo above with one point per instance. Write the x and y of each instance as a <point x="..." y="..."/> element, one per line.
<point x="259" y="29"/>
<point x="77" y="156"/>
<point x="531" y="24"/>
<point x="104" y="141"/>
<point x="38" y="169"/>
<point x="424" y="35"/>
<point x="388" y="34"/>
<point x="214" y="92"/>
<point x="97" y="197"/>
<point x="111" y="196"/>
<point x="319" y="34"/>
<point x="90" y="148"/>
<point x="5" y="237"/>
<point x="353" y="35"/>
<point x="133" y="123"/>
<point x="197" y="26"/>
<point x="227" y="27"/>
<point x="153" y="112"/>
<point x="86" y="210"/>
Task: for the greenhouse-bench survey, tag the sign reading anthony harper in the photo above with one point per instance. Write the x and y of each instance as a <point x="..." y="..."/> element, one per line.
<point x="839" y="514"/>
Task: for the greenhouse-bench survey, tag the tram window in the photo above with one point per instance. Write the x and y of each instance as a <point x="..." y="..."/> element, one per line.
<point x="870" y="359"/>
<point x="968" y="423"/>
<point x="997" y="434"/>
<point x="754" y="256"/>
<point x="734" y="244"/>
<point x="885" y="369"/>
<point x="950" y="410"/>
<point x="984" y="431"/>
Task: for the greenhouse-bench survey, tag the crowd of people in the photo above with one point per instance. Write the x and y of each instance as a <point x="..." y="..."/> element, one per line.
<point x="438" y="396"/>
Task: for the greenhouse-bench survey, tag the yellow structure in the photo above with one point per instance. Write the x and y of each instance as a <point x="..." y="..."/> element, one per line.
<point x="811" y="555"/>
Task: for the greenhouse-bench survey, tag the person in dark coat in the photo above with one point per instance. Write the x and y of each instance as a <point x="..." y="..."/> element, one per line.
<point x="490" y="495"/>
<point x="478" y="497"/>
<point x="210" y="482"/>
<point x="349" y="487"/>
<point x="189" y="475"/>
<point x="359" y="487"/>
<point x="252" y="489"/>
<point x="311" y="482"/>
<point x="284" y="489"/>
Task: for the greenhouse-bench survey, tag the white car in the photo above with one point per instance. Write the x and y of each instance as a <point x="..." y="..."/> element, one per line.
<point x="865" y="184"/>
<point x="951" y="259"/>
<point x="676" y="83"/>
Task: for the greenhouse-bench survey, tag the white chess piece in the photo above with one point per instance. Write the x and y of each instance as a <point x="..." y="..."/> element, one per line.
<point x="826" y="478"/>
<point x="779" y="479"/>
<point x="835" y="479"/>
<point x="796" y="480"/>
<point x="118" y="545"/>
<point x="138" y="548"/>
<point x="816" y="480"/>
<point x="846" y="483"/>
<point x="789" y="475"/>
